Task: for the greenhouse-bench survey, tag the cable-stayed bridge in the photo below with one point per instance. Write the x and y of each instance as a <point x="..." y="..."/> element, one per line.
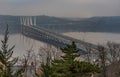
<point x="30" y="29"/>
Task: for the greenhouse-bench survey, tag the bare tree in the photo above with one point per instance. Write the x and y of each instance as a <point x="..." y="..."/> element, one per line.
<point x="103" y="59"/>
<point x="91" y="54"/>
<point x="29" y="63"/>
<point x="46" y="55"/>
<point x="113" y="52"/>
<point x="48" y="52"/>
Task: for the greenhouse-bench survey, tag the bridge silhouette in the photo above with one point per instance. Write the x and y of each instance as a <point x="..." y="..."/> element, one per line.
<point x="29" y="28"/>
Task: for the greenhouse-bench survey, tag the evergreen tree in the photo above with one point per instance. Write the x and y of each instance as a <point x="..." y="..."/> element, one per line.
<point x="69" y="67"/>
<point x="71" y="52"/>
<point x="46" y="69"/>
<point x="6" y="60"/>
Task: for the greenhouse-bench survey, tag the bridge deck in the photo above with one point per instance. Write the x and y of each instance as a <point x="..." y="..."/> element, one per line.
<point x="53" y="38"/>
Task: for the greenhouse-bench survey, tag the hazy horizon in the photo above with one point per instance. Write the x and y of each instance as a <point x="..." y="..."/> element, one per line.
<point x="61" y="8"/>
<point x="58" y="16"/>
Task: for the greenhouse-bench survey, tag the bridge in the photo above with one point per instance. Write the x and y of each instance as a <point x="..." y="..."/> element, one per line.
<point x="30" y="29"/>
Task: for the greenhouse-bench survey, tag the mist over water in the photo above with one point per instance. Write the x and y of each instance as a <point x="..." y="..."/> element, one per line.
<point x="95" y="37"/>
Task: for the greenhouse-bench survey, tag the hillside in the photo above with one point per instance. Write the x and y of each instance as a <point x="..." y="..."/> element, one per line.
<point x="94" y="24"/>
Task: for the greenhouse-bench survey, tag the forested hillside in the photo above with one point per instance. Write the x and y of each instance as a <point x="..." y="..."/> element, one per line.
<point x="94" y="24"/>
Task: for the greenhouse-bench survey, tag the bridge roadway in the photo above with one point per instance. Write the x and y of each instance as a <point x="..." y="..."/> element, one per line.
<point x="53" y="38"/>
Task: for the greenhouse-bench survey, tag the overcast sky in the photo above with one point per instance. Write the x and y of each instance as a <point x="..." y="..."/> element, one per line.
<point x="61" y="8"/>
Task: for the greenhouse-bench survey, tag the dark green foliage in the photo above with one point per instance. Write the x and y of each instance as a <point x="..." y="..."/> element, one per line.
<point x="71" y="52"/>
<point x="85" y="68"/>
<point x="6" y="60"/>
<point x="46" y="70"/>
<point x="69" y="67"/>
<point x="46" y="67"/>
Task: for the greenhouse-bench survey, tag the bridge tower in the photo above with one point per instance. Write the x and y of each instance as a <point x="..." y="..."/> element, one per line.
<point x="24" y="20"/>
<point x="28" y="20"/>
<point x="31" y="21"/>
<point x="34" y="21"/>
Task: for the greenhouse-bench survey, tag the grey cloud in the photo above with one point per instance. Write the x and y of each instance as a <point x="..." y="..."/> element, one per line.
<point x="61" y="8"/>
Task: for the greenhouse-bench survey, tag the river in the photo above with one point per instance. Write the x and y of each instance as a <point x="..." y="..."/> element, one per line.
<point x="22" y="44"/>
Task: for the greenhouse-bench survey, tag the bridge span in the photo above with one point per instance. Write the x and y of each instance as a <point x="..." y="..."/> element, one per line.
<point x="50" y="37"/>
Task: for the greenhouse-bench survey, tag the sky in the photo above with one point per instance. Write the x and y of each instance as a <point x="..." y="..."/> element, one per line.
<point x="61" y="8"/>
